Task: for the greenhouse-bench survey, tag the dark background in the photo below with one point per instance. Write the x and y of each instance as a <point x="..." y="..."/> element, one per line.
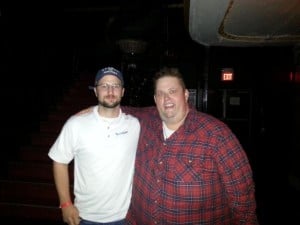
<point x="44" y="49"/>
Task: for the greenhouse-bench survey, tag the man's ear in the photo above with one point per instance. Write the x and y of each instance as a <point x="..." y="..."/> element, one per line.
<point x="187" y="94"/>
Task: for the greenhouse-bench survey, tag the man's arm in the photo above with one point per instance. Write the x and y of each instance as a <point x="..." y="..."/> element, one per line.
<point x="140" y="112"/>
<point x="62" y="183"/>
<point x="238" y="182"/>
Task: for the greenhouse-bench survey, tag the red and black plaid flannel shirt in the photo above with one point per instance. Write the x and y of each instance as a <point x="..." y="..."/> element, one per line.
<point x="199" y="175"/>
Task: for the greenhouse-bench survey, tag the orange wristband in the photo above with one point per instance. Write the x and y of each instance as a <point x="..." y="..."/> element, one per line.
<point x="65" y="204"/>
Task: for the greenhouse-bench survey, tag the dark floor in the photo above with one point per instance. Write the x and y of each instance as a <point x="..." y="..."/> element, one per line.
<point x="13" y="221"/>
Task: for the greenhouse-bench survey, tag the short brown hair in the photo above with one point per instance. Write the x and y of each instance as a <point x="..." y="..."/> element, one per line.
<point x="168" y="72"/>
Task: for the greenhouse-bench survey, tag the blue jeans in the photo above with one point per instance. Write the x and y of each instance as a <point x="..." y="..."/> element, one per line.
<point x="86" y="222"/>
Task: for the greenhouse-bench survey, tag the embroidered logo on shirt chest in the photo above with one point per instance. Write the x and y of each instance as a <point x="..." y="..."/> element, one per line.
<point x="122" y="132"/>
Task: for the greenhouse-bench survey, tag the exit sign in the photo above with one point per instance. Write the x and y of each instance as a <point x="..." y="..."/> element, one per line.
<point x="227" y="74"/>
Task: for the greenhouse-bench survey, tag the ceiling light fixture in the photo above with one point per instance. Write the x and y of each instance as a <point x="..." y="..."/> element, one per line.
<point x="132" y="46"/>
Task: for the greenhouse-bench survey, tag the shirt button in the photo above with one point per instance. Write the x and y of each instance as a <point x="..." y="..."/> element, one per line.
<point x="165" y="143"/>
<point x="160" y="162"/>
<point x="158" y="181"/>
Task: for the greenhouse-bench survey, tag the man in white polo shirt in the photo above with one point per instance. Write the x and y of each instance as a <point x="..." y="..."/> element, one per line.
<point x="103" y="145"/>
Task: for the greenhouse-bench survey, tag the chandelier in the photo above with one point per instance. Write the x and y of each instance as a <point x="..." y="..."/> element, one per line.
<point x="132" y="46"/>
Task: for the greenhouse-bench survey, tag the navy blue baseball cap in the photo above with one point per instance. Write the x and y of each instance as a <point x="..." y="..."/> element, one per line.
<point x="108" y="71"/>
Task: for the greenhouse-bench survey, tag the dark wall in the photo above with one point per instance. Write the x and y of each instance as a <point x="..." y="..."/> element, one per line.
<point x="35" y="70"/>
<point x="269" y="133"/>
<point x="41" y="55"/>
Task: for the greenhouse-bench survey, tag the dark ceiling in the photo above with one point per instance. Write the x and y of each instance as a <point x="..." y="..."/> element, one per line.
<point x="126" y="19"/>
<point x="172" y="27"/>
<point x="97" y="26"/>
<point x="108" y="20"/>
<point x="159" y="23"/>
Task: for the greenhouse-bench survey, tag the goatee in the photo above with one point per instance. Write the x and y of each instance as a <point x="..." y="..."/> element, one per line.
<point x="109" y="105"/>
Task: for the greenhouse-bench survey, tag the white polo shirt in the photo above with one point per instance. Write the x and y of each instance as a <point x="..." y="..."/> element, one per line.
<point x="104" y="154"/>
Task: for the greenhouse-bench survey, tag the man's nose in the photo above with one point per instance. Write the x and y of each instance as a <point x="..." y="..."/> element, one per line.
<point x="166" y="95"/>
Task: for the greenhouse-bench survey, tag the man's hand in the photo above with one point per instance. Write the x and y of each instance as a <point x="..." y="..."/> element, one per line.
<point x="84" y="111"/>
<point x="71" y="215"/>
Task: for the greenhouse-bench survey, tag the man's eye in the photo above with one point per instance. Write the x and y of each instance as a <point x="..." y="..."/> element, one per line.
<point x="159" y="94"/>
<point x="117" y="86"/>
<point x="172" y="91"/>
<point x="107" y="86"/>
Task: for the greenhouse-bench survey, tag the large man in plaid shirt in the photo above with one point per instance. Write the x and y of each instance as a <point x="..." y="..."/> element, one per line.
<point x="190" y="168"/>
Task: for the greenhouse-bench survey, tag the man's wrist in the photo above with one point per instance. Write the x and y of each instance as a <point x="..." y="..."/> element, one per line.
<point x="65" y="204"/>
